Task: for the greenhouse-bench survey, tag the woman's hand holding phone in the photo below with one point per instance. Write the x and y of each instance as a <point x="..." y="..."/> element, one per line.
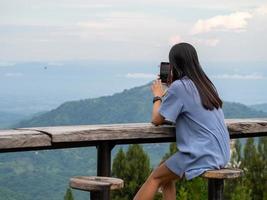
<point x="157" y="88"/>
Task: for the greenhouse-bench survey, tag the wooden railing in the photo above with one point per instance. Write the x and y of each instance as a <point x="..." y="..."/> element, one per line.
<point x="105" y="137"/>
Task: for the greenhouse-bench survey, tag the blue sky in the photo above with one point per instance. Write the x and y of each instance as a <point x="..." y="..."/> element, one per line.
<point x="230" y="37"/>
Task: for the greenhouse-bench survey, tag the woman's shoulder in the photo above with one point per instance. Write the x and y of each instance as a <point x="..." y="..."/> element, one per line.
<point x="179" y="84"/>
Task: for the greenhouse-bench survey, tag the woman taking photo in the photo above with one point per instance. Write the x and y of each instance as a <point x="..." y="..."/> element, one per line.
<point x="193" y="104"/>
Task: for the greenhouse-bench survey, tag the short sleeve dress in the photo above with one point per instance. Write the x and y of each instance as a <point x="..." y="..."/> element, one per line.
<point x="202" y="137"/>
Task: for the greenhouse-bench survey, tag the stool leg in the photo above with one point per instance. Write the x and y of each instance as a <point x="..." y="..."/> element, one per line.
<point x="98" y="195"/>
<point x="95" y="195"/>
<point x="215" y="189"/>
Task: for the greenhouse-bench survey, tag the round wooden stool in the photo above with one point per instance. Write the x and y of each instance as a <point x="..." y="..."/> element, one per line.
<point x="216" y="181"/>
<point x="96" y="185"/>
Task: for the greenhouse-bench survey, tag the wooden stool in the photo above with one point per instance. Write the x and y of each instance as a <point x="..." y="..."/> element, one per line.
<point x="216" y="181"/>
<point x="96" y="185"/>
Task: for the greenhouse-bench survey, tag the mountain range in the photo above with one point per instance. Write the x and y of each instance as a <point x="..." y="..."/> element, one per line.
<point x="132" y="105"/>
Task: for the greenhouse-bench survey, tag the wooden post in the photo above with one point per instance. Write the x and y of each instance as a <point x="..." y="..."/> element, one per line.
<point x="95" y="195"/>
<point x="104" y="165"/>
<point x="215" y="189"/>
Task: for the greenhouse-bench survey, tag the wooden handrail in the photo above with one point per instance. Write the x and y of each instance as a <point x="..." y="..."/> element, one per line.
<point x="23" y="139"/>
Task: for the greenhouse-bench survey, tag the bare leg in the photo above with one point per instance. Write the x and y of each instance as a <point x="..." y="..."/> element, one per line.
<point x="169" y="191"/>
<point x="159" y="176"/>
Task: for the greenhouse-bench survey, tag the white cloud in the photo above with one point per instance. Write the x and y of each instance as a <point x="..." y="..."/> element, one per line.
<point x="212" y="42"/>
<point x="6" y="64"/>
<point x="175" y="39"/>
<point x="11" y="74"/>
<point x="128" y="26"/>
<point x="141" y="76"/>
<point x="55" y="64"/>
<point x="261" y="10"/>
<point x="254" y="76"/>
<point x="235" y="22"/>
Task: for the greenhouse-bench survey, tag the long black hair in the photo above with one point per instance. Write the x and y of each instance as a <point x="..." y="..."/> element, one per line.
<point x="184" y="62"/>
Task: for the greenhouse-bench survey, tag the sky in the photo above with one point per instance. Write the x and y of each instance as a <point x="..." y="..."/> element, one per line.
<point x="37" y="30"/>
<point x="86" y="44"/>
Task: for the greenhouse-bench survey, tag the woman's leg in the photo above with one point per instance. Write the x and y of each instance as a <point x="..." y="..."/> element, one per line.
<point x="160" y="176"/>
<point x="169" y="190"/>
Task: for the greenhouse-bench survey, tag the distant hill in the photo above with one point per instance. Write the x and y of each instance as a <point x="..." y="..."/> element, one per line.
<point x="260" y="107"/>
<point x="238" y="110"/>
<point x="9" y="118"/>
<point x="133" y="105"/>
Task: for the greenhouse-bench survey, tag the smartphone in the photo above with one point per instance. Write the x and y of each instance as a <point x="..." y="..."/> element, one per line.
<point x="164" y="71"/>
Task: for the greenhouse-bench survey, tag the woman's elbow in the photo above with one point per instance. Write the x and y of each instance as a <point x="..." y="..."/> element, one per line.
<point x="158" y="120"/>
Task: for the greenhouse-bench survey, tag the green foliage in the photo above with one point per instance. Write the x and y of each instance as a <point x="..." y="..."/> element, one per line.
<point x="235" y="162"/>
<point x="134" y="168"/>
<point x="253" y="166"/>
<point x="172" y="150"/>
<point x="68" y="195"/>
<point x="7" y="194"/>
<point x="182" y="194"/>
<point x="241" y="192"/>
<point x="253" y="185"/>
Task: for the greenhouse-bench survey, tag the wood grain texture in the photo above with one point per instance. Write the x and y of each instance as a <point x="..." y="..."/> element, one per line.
<point x="69" y="136"/>
<point x="140" y="131"/>
<point x="95" y="183"/>
<point x="247" y="126"/>
<point x="23" y="138"/>
<point x="107" y="132"/>
<point x="226" y="173"/>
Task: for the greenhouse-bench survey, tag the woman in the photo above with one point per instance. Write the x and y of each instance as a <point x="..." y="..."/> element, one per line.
<point x="193" y="104"/>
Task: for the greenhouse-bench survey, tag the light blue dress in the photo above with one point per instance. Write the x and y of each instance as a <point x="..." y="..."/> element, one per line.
<point x="202" y="137"/>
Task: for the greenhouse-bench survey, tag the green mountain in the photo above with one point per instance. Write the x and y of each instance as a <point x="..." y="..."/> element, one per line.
<point x="45" y="174"/>
<point x="133" y="105"/>
<point x="238" y="110"/>
<point x="260" y="107"/>
<point x="7" y="119"/>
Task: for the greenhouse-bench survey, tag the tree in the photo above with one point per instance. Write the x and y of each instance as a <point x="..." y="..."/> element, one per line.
<point x="241" y="192"/>
<point x="235" y="189"/>
<point x="134" y="168"/>
<point x="253" y="169"/>
<point x="253" y="184"/>
<point x="68" y="195"/>
<point x="262" y="149"/>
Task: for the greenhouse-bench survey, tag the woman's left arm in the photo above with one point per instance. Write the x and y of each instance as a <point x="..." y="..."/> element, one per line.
<point x="157" y="90"/>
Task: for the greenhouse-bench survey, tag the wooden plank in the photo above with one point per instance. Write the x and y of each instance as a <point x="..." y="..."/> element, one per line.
<point x="247" y="126"/>
<point x="23" y="138"/>
<point x="141" y="131"/>
<point x="107" y="132"/>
